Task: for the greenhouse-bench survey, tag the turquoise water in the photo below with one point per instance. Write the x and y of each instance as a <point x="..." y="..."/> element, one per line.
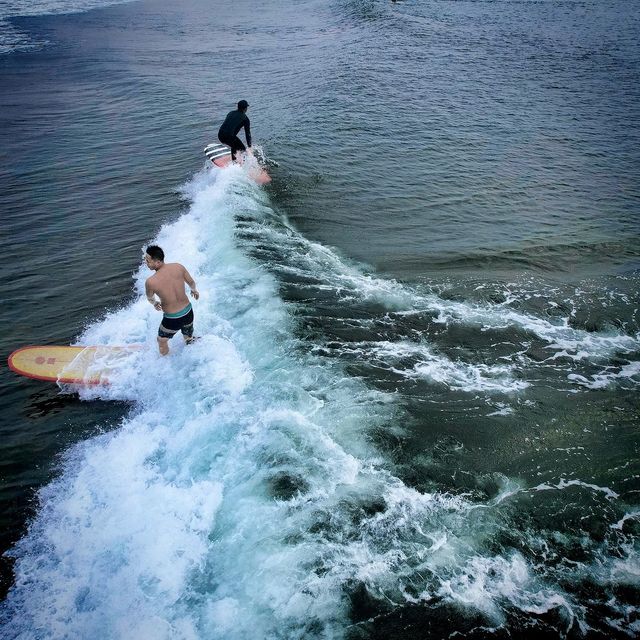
<point x="413" y="410"/>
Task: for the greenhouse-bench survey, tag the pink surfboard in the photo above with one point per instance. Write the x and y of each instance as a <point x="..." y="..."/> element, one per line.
<point x="220" y="155"/>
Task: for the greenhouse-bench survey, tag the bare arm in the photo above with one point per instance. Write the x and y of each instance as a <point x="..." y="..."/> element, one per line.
<point x="191" y="283"/>
<point x="151" y="296"/>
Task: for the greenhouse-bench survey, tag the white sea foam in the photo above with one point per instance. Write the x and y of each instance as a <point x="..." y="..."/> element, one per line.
<point x="241" y="496"/>
<point x="325" y="270"/>
<point x="628" y="373"/>
<point x="610" y="494"/>
<point x="419" y="360"/>
<point x="486" y="581"/>
<point x="633" y="515"/>
<point x="562" y="339"/>
<point x="502" y="410"/>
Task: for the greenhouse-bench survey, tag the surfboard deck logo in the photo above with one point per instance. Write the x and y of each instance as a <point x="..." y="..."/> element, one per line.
<point x="220" y="155"/>
<point x="69" y="365"/>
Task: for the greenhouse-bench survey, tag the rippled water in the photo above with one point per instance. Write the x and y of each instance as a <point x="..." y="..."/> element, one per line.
<point x="413" y="411"/>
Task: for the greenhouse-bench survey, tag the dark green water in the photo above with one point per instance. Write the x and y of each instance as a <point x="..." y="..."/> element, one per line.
<point x="414" y="412"/>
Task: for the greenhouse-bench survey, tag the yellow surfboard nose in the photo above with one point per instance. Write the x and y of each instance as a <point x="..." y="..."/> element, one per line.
<point x="69" y="365"/>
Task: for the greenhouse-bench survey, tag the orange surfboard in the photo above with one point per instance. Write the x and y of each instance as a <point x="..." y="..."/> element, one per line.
<point x="70" y="365"/>
<point x="220" y="155"/>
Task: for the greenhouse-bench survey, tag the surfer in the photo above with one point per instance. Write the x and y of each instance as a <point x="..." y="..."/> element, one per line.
<point x="228" y="133"/>
<point x="168" y="284"/>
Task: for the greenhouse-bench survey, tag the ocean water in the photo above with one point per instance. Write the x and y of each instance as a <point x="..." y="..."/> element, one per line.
<point x="12" y="38"/>
<point x="413" y="411"/>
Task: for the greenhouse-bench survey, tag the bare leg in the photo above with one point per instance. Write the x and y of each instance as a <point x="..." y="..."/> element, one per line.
<point x="163" y="345"/>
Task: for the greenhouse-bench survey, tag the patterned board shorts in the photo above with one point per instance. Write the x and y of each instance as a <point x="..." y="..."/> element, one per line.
<point x="174" y="322"/>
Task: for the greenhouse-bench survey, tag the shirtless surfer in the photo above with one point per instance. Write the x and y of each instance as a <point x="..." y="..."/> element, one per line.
<point x="168" y="284"/>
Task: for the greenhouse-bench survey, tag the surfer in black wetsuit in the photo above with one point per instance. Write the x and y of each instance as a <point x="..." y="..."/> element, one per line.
<point x="234" y="121"/>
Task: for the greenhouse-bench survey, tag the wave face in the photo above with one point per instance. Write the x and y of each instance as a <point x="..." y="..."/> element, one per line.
<point x="248" y="494"/>
<point x="209" y="511"/>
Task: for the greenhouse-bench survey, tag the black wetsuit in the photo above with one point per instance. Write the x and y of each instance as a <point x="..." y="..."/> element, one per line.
<point x="228" y="133"/>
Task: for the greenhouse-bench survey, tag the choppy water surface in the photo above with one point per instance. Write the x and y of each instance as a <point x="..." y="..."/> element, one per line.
<point x="413" y="410"/>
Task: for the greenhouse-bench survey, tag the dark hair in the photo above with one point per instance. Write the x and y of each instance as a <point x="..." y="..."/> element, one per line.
<point x="242" y="105"/>
<point x="155" y="252"/>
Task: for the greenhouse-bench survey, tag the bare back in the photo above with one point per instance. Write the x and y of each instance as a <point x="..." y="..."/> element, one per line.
<point x="168" y="284"/>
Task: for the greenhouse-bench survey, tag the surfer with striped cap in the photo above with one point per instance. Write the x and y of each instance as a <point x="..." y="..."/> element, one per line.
<point x="168" y="284"/>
